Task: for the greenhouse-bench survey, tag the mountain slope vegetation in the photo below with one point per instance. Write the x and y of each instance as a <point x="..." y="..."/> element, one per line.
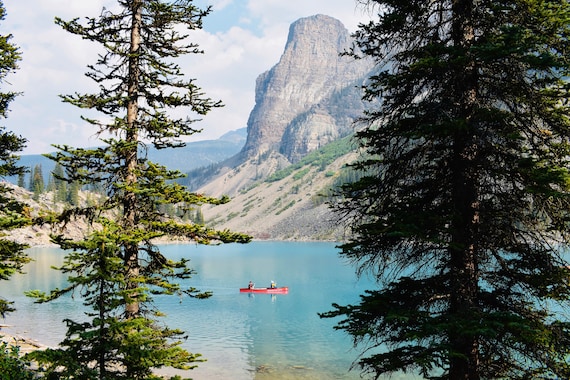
<point x="290" y="204"/>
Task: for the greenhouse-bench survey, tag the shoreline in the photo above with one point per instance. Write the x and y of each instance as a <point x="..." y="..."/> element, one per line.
<point x="202" y="372"/>
<point x="25" y="344"/>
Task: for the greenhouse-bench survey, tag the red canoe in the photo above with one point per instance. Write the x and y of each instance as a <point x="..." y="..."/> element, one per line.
<point x="281" y="290"/>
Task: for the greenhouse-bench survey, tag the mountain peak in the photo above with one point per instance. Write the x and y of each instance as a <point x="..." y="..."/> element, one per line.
<point x="299" y="106"/>
<point x="319" y="32"/>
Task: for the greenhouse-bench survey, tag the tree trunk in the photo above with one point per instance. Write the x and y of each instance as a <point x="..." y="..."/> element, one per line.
<point x="464" y="361"/>
<point x="102" y="318"/>
<point x="130" y="200"/>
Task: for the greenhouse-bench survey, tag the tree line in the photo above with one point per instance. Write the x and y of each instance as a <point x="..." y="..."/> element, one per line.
<point x="67" y="193"/>
<point x="62" y="191"/>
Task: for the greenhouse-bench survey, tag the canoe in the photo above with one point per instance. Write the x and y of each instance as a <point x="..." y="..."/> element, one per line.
<point x="280" y="290"/>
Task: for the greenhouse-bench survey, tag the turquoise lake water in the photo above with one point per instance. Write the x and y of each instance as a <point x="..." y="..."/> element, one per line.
<point x="242" y="336"/>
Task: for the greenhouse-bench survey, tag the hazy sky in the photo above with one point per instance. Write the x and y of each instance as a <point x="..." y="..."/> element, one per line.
<point x="241" y="39"/>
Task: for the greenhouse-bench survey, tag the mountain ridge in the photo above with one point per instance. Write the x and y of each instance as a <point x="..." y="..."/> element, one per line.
<point x="203" y="153"/>
<point x="290" y="204"/>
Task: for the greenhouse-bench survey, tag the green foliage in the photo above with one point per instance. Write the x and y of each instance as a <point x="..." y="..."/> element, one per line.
<point x="301" y="173"/>
<point x="60" y="186"/>
<point x="12" y="365"/>
<point x="198" y="217"/>
<point x="37" y="184"/>
<point x="117" y="269"/>
<point x="333" y="193"/>
<point x="288" y="205"/>
<point x="320" y="158"/>
<point x="12" y="213"/>
<point x="21" y="182"/>
<point x="115" y="344"/>
<point x="72" y="196"/>
<point x="10" y="143"/>
<point x="461" y="209"/>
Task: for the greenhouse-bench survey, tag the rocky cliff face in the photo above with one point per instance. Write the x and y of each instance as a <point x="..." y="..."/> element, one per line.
<point x="311" y="96"/>
<point x="307" y="100"/>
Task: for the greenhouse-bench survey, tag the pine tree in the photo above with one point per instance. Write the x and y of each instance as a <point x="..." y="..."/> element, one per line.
<point x="199" y="216"/>
<point x="12" y="213"/>
<point x="37" y="184"/>
<point x="72" y="196"/>
<point x="117" y="267"/>
<point x="462" y="212"/>
<point x="21" y="180"/>
<point x="60" y="184"/>
<point x="31" y="181"/>
<point x="51" y="184"/>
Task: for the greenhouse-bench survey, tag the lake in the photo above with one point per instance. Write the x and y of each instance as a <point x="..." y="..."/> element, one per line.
<point x="242" y="336"/>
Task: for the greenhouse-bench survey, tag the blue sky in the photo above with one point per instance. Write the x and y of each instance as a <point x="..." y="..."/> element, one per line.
<point x="241" y="39"/>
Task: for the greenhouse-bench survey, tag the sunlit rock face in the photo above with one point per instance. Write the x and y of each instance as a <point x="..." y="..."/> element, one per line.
<point x="311" y="97"/>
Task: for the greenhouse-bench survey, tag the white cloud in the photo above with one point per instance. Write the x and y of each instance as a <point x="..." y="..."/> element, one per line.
<point x="278" y="12"/>
<point x="221" y="4"/>
<point x="244" y="39"/>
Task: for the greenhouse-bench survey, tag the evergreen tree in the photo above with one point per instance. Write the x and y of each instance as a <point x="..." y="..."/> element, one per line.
<point x="72" y="196"/>
<point x="59" y="183"/>
<point x="37" y="184"/>
<point x="21" y="180"/>
<point x="31" y="181"/>
<point x="463" y="210"/>
<point x="12" y="213"/>
<point x="199" y="216"/>
<point x="117" y="268"/>
<point x="13" y="366"/>
<point x="51" y="184"/>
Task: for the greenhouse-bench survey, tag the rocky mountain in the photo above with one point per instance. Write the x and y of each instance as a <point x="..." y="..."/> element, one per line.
<point x="290" y="204"/>
<point x="305" y="103"/>
<point x="311" y="96"/>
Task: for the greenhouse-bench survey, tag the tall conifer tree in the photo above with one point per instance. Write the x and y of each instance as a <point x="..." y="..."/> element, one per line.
<point x="37" y="184"/>
<point x="12" y="215"/>
<point x="60" y="193"/>
<point x="118" y="268"/>
<point x="463" y="212"/>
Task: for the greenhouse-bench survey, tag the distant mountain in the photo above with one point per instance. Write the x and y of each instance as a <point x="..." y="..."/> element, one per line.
<point x="309" y="99"/>
<point x="298" y="142"/>
<point x="200" y="153"/>
<point x="193" y="155"/>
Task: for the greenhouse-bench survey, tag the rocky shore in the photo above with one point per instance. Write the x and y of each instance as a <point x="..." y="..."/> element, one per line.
<point x="25" y="344"/>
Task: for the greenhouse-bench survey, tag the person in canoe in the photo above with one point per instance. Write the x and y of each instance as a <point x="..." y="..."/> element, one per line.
<point x="273" y="284"/>
<point x="251" y="285"/>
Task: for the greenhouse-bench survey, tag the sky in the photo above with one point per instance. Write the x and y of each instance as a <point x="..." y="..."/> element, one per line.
<point x="241" y="39"/>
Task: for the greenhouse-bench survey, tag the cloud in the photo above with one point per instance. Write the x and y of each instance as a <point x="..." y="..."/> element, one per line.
<point x="53" y="63"/>
<point x="228" y="70"/>
<point x="277" y="12"/>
